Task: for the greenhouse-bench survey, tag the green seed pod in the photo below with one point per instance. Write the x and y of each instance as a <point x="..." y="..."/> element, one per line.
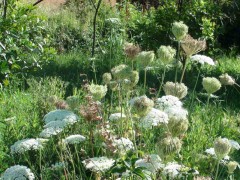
<point x="211" y="84"/>
<point x="175" y="89"/>
<point x="222" y="147"/>
<point x="179" y="30"/>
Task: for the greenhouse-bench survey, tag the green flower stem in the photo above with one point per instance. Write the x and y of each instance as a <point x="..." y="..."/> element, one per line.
<point x="216" y="175"/>
<point x="178" y="56"/>
<point x="194" y="91"/>
<point x="163" y="77"/>
<point x="184" y="69"/>
<point x="145" y="78"/>
<point x="209" y="95"/>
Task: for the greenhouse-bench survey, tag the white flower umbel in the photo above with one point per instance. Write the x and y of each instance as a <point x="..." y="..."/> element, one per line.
<point x="154" y="118"/>
<point x="172" y="169"/>
<point x="234" y="144"/>
<point x="24" y="145"/>
<point x="168" y="101"/>
<point x="62" y="115"/>
<point x="98" y="164"/>
<point x="177" y="113"/>
<point x="202" y="59"/>
<point x="211" y="152"/>
<point x="151" y="162"/>
<point x="48" y="132"/>
<point x="123" y="145"/>
<point x="17" y="172"/>
<point x="116" y="116"/>
<point x="74" y="139"/>
<point x="98" y="91"/>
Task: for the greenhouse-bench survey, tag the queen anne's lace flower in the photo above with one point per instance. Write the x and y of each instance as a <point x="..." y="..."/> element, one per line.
<point x="166" y="54"/>
<point x="179" y="30"/>
<point x="226" y="80"/>
<point x="168" y="101"/>
<point x="74" y="139"/>
<point x="222" y="147"/>
<point x="151" y="162"/>
<point x="202" y="59"/>
<point x="145" y="58"/>
<point x="211" y="84"/>
<point x="175" y="89"/>
<point x="48" y="132"/>
<point x="117" y="116"/>
<point x="98" y="91"/>
<point x="18" y="172"/>
<point x="154" y="118"/>
<point x="98" y="164"/>
<point x="56" y="115"/>
<point x="123" y="144"/>
<point x="142" y="105"/>
<point x="24" y="145"/>
<point x="172" y="169"/>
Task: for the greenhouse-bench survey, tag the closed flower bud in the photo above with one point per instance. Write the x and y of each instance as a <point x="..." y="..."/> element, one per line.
<point x="179" y="30"/>
<point x="177" y="126"/>
<point x="211" y="84"/>
<point x="121" y="72"/>
<point x="166" y="54"/>
<point x="98" y="91"/>
<point x="226" y="80"/>
<point x="134" y="78"/>
<point x="232" y="165"/>
<point x="145" y="58"/>
<point x="175" y="89"/>
<point x="168" y="146"/>
<point x="107" y="77"/>
<point x="222" y="147"/>
<point x="142" y="105"/>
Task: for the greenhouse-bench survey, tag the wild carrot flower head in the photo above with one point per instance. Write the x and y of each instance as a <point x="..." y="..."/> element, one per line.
<point x="73" y="102"/>
<point x="168" y="146"/>
<point x="107" y="77"/>
<point x="145" y="58"/>
<point x="151" y="162"/>
<point x="201" y="59"/>
<point x="142" y="105"/>
<point x="18" y="172"/>
<point x="192" y="46"/>
<point x="166" y="54"/>
<point x="98" y="91"/>
<point x="168" y="101"/>
<point x="175" y="89"/>
<point x="121" y="72"/>
<point x="131" y="50"/>
<point x="74" y="139"/>
<point x="98" y="164"/>
<point x="179" y="30"/>
<point x="232" y="165"/>
<point x="123" y="145"/>
<point x="211" y="84"/>
<point x="226" y="80"/>
<point x="154" y="118"/>
<point x="222" y="147"/>
<point x="24" y="145"/>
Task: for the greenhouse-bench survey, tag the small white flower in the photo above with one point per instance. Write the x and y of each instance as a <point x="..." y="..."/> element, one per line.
<point x="154" y="118"/>
<point x="168" y="101"/>
<point x="202" y="59"/>
<point x="61" y="115"/>
<point x="74" y="139"/>
<point x="18" y="172"/>
<point x="172" y="169"/>
<point x="117" y="116"/>
<point x="24" y="145"/>
<point x="234" y="144"/>
<point x="98" y="164"/>
<point x="123" y="145"/>
<point x="151" y="162"/>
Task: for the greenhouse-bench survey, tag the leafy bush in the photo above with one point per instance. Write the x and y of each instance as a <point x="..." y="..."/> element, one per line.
<point x="24" y="42"/>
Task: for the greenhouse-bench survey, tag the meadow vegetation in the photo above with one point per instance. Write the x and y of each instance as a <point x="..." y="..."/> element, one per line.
<point x="138" y="93"/>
